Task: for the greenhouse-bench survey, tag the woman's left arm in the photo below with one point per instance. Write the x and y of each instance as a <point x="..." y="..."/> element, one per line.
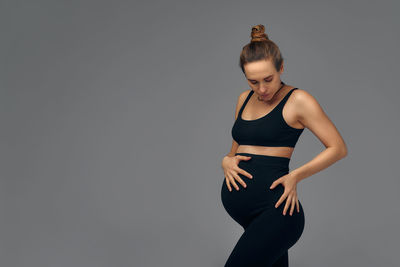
<point x="313" y="117"/>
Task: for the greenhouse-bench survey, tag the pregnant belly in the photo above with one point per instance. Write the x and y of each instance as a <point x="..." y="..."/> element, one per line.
<point x="247" y="203"/>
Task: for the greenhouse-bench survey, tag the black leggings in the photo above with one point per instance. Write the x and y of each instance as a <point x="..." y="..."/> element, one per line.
<point x="268" y="234"/>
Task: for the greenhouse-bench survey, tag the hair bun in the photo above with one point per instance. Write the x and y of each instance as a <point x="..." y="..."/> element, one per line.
<point x="258" y="33"/>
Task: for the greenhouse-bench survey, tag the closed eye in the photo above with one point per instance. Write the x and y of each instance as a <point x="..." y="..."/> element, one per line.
<point x="255" y="82"/>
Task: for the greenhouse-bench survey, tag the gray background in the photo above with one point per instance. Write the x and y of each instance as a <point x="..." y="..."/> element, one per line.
<point x="116" y="115"/>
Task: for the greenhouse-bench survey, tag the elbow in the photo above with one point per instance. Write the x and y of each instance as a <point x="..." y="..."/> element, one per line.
<point x="343" y="152"/>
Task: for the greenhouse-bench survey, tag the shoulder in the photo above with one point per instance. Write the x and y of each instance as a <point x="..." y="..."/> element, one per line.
<point x="301" y="96"/>
<point x="305" y="103"/>
<point x="240" y="101"/>
<point x="242" y="96"/>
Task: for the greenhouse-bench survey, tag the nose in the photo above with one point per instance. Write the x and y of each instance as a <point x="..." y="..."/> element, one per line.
<point x="263" y="90"/>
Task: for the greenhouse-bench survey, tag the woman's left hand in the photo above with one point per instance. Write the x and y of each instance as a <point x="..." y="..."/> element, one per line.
<point x="290" y="184"/>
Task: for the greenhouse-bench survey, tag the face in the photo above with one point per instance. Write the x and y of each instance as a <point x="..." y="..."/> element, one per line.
<point x="263" y="78"/>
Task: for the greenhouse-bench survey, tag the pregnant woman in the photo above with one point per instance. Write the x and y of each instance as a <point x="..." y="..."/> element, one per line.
<point x="269" y="119"/>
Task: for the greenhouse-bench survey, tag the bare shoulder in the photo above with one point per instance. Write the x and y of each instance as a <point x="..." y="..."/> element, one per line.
<point x="306" y="104"/>
<point x="300" y="93"/>
<point x="303" y="98"/>
<point x="240" y="100"/>
<point x="242" y="96"/>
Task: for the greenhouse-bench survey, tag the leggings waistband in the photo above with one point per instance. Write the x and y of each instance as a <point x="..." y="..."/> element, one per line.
<point x="266" y="160"/>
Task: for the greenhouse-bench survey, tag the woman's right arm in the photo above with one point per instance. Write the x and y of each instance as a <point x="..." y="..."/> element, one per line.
<point x="239" y="103"/>
<point x="230" y="161"/>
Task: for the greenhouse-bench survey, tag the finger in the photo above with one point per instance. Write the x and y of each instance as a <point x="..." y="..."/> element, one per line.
<point x="293" y="205"/>
<point x="281" y="199"/>
<point x="245" y="173"/>
<point x="298" y="205"/>
<point x="232" y="181"/>
<point x="237" y="178"/>
<point x="287" y="204"/>
<point x="241" y="157"/>
<point x="275" y="183"/>
<point x="227" y="184"/>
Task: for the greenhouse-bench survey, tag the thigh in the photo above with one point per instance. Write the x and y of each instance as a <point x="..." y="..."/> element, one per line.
<point x="282" y="261"/>
<point x="266" y="239"/>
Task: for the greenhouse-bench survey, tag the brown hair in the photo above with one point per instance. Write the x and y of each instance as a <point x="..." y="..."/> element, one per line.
<point x="260" y="47"/>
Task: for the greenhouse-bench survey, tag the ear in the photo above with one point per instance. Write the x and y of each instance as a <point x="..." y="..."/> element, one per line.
<point x="281" y="70"/>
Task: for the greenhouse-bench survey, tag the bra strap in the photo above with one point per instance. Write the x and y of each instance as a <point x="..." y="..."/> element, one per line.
<point x="245" y="102"/>
<point x="282" y="103"/>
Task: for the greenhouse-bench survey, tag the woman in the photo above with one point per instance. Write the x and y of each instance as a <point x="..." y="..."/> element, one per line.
<point x="269" y="119"/>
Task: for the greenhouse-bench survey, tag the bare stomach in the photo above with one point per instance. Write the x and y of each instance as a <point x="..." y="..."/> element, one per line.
<point x="266" y="150"/>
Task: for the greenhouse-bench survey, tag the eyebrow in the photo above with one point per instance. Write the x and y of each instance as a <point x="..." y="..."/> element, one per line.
<point x="264" y="78"/>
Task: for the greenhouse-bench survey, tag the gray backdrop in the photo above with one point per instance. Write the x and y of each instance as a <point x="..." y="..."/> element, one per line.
<point x="116" y="115"/>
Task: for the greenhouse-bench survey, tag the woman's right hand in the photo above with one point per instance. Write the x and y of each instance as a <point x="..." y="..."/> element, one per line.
<point x="231" y="170"/>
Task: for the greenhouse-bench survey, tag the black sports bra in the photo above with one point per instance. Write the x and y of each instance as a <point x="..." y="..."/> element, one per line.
<point x="269" y="130"/>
